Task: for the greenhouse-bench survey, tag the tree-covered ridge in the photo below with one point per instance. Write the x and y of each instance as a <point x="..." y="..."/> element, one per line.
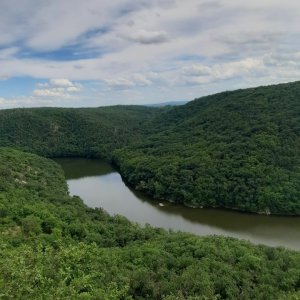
<point x="238" y="150"/>
<point x="54" y="247"/>
<point x="57" y="132"/>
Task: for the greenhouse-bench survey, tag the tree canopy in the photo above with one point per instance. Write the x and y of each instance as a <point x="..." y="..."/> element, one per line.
<point x="52" y="246"/>
<point x="238" y="150"/>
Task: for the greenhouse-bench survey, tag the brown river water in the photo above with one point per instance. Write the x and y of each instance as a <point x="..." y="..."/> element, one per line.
<point x="100" y="185"/>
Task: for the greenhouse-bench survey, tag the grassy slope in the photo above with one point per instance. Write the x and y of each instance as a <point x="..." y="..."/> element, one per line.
<point x="53" y="247"/>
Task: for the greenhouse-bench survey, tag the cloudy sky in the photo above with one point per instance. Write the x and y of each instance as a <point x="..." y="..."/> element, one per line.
<point x="99" y="52"/>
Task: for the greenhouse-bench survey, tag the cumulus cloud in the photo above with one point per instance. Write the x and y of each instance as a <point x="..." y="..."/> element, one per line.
<point x="73" y="89"/>
<point x="50" y="93"/>
<point x="224" y="70"/>
<point x="119" y="83"/>
<point x="136" y="80"/>
<point x="119" y="43"/>
<point x="61" y="82"/>
<point x="57" y="87"/>
<point x="55" y="92"/>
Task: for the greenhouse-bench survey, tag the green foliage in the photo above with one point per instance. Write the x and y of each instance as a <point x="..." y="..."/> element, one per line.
<point x="59" y="132"/>
<point x="54" y="247"/>
<point x="238" y="150"/>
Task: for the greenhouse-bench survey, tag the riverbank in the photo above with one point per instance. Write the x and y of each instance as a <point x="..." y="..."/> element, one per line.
<point x="100" y="185"/>
<point x="54" y="246"/>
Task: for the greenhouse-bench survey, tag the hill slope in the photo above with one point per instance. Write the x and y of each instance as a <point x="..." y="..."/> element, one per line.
<point x="59" y="132"/>
<point x="238" y="150"/>
<point x="54" y="247"/>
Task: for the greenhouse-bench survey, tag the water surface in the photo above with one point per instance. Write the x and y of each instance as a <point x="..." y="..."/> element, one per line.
<point x="99" y="185"/>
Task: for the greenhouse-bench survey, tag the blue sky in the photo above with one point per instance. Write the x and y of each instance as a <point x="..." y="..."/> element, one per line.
<point x="77" y="53"/>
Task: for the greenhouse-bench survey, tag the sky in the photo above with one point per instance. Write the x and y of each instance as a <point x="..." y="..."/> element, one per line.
<point x="75" y="53"/>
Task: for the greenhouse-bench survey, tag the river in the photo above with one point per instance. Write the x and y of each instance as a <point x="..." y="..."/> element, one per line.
<point x="100" y="185"/>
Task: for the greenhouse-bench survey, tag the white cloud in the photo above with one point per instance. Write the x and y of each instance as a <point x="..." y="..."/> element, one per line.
<point x="119" y="83"/>
<point x="56" y="92"/>
<point x="136" y="80"/>
<point x="8" y="53"/>
<point x="50" y="93"/>
<point x="141" y="80"/>
<point x="57" y="87"/>
<point x="73" y="89"/>
<point x="225" y="70"/>
<point x="148" y="37"/>
<point x="61" y="82"/>
<point x="197" y="70"/>
<point x="134" y="45"/>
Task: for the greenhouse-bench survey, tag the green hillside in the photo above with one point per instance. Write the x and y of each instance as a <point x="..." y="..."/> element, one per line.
<point x="54" y="247"/>
<point x="58" y="132"/>
<point x="238" y="150"/>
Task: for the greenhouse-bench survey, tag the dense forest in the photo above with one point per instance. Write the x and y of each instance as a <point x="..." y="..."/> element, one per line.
<point x="54" y="247"/>
<point x="59" y="132"/>
<point x="238" y="150"/>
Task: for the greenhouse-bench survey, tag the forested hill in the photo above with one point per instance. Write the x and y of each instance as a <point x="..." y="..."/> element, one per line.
<point x="59" y="132"/>
<point x="54" y="247"/>
<point x="237" y="149"/>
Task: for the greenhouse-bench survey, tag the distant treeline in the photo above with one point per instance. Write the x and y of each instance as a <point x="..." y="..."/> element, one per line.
<point x="238" y="150"/>
<point x="54" y="247"/>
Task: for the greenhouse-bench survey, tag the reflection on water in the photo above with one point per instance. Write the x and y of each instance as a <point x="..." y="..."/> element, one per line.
<point x="99" y="185"/>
